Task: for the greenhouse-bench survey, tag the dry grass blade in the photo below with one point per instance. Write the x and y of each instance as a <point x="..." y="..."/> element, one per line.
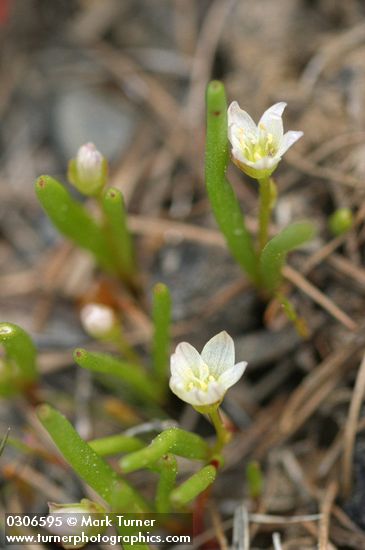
<point x="317" y="296"/>
<point x="351" y="429"/>
<point x="327" y="503"/>
<point x="331" y="246"/>
<point x="219" y="529"/>
<point x="3" y="442"/>
<point x="241" y="531"/>
<point x="307" y="167"/>
<point x="268" y="519"/>
<point x="336" y="47"/>
<point x="327" y="372"/>
<point x="345" y="267"/>
<point x="276" y="540"/>
<point x="208" y="41"/>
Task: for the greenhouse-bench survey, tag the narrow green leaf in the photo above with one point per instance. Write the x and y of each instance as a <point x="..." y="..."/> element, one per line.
<point x="225" y="205"/>
<point x="166" y="483"/>
<point x="83" y="459"/>
<point x="121" y="504"/>
<point x="123" y="500"/>
<point x="159" y="446"/>
<point x="20" y="367"/>
<point x="174" y="440"/>
<point x="73" y="221"/>
<point x="274" y="253"/>
<point x="117" y="233"/>
<point x="193" y="486"/>
<point x="132" y="375"/>
<point x="189" y="445"/>
<point x="115" y="444"/>
<point x="161" y="316"/>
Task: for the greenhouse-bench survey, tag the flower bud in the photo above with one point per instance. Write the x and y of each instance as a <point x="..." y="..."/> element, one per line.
<point x="88" y="171"/>
<point x="98" y="320"/>
<point x="77" y="519"/>
<point x="341" y="221"/>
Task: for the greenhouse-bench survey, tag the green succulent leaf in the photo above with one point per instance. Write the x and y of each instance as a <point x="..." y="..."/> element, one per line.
<point x="166" y="483"/>
<point x="274" y="253"/>
<point x="134" y="377"/>
<point x="194" y="486"/>
<point x="19" y="364"/>
<point x="117" y="233"/>
<point x="116" y="444"/>
<point x="85" y="461"/>
<point x="161" y="317"/>
<point x="173" y="440"/>
<point x="73" y="221"/>
<point x="225" y="205"/>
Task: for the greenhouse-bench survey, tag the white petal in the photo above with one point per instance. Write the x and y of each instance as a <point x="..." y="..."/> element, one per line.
<point x="215" y="392"/>
<point x="239" y="117"/>
<point x="237" y="149"/>
<point x="218" y="353"/>
<point x="265" y="163"/>
<point x="232" y="375"/>
<point x="272" y="121"/>
<point x="196" y="396"/>
<point x="288" y="140"/>
<point x="186" y="357"/>
<point x="178" y="388"/>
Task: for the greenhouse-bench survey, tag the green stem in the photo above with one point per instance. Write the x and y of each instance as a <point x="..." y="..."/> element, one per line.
<point x="223" y="435"/>
<point x="264" y="212"/>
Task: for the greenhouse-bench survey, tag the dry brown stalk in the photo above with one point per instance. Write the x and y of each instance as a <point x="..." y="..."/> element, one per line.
<point x="351" y="427"/>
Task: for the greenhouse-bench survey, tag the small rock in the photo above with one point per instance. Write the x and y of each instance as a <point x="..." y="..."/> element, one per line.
<point x="263" y="347"/>
<point x="83" y="115"/>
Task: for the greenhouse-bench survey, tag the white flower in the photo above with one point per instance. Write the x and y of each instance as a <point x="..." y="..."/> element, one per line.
<point x="98" y="320"/>
<point x="88" y="171"/>
<point x="203" y="379"/>
<point x="257" y="150"/>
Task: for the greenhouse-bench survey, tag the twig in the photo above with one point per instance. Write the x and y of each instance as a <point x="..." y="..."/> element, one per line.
<point x="307" y="167"/>
<point x="327" y="503"/>
<point x="218" y="528"/>
<point x="269" y="519"/>
<point x="241" y="532"/>
<point x="351" y="428"/>
<point x="317" y="296"/>
<point x="276" y="540"/>
<point x="312" y="386"/>
<point x="208" y="41"/>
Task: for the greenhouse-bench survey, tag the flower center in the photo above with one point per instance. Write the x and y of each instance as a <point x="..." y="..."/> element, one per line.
<point x="257" y="146"/>
<point x="200" y="382"/>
